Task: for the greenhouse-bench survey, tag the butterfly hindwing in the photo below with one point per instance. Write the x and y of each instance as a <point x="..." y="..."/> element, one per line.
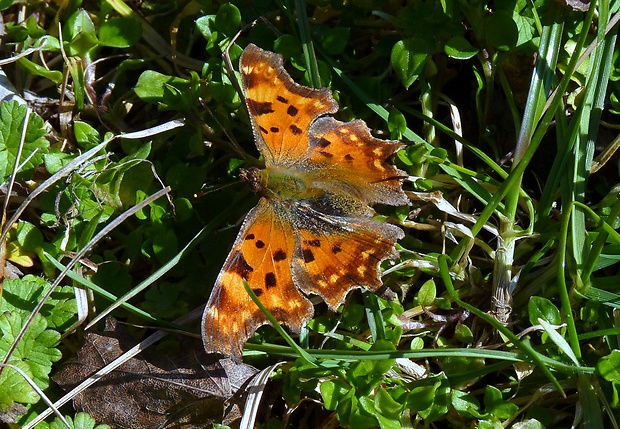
<point x="342" y="254"/>
<point x="346" y="153"/>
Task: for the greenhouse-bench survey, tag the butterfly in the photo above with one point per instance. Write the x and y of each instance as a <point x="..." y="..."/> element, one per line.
<point x="312" y="231"/>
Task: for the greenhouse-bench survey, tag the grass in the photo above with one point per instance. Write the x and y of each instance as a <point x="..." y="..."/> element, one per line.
<point x="123" y="196"/>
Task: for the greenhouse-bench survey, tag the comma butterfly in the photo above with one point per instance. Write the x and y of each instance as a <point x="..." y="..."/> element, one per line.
<point x="312" y="231"/>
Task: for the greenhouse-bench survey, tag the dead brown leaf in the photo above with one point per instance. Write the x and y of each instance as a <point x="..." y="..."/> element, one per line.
<point x="157" y="389"/>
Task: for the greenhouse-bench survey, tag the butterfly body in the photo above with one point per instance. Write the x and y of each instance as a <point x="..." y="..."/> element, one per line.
<point x="280" y="183"/>
<point x="312" y="231"/>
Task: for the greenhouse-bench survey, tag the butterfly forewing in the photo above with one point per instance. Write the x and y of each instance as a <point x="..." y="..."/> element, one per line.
<point x="261" y="255"/>
<point x="281" y="110"/>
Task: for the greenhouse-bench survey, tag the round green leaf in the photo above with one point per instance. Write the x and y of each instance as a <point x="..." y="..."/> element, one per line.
<point x="459" y="48"/>
<point x="501" y="30"/>
<point x="228" y="19"/>
<point x="539" y="307"/>
<point x="427" y="293"/>
<point x="120" y="32"/>
<point x="609" y="366"/>
<point x="287" y="45"/>
<point x="408" y="59"/>
<point x="28" y="236"/>
<point x="335" y="40"/>
<point x="206" y="26"/>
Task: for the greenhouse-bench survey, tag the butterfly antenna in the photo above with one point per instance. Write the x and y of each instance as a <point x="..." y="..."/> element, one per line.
<point x="217" y="188"/>
<point x="229" y="136"/>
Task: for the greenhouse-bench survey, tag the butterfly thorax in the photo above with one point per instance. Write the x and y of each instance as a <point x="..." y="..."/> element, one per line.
<point x="280" y="183"/>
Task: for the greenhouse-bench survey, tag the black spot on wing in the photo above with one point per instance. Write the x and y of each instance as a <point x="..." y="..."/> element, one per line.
<point x="279" y="255"/>
<point x="250" y="237"/>
<point x="349" y="157"/>
<point x="259" y="244"/>
<point x="250" y="80"/>
<point x="259" y="108"/>
<point x="239" y="265"/>
<point x="295" y="129"/>
<point x="257" y="291"/>
<point x="308" y="255"/>
<point x="323" y="142"/>
<point x="270" y="280"/>
<point x="274" y="129"/>
<point x="282" y="99"/>
<point x="292" y="111"/>
<point x="336" y="249"/>
<point x="313" y="243"/>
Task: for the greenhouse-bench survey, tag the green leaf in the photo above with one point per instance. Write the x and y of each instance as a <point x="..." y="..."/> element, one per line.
<point x="466" y="404"/>
<point x="136" y="178"/>
<point x="609" y="368"/>
<point x="287" y="45"/>
<point x="332" y="391"/>
<point x="529" y="424"/>
<point x="81" y="421"/>
<point x="38" y="70"/>
<point x="37" y="349"/>
<point x="163" y="301"/>
<point x="5" y="4"/>
<point x="397" y="124"/>
<point x="78" y="23"/>
<point x="489" y="424"/>
<point x="501" y="30"/>
<point x="14" y="389"/>
<point x="206" y="26"/>
<point x="184" y="209"/>
<point x="12" y="117"/>
<point x="466" y="368"/>
<point x="459" y="48"/>
<point x="228" y="19"/>
<point x="386" y="405"/>
<point x="421" y="398"/>
<point x="539" y="307"/>
<point x="34" y="31"/>
<point x="55" y="161"/>
<point x="408" y="59"/>
<point x="28" y="236"/>
<point x="120" y="32"/>
<point x="464" y="334"/>
<point x="152" y="86"/>
<point x="335" y="40"/>
<point x="434" y="399"/>
<point x="427" y="293"/>
<point x="494" y="404"/>
<point x="86" y="135"/>
<point x="80" y="34"/>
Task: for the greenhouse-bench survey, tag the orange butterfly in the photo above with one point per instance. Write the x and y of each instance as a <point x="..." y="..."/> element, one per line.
<point x="312" y="230"/>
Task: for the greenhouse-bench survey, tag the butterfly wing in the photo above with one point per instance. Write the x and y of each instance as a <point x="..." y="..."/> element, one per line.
<point x="338" y="253"/>
<point x="281" y="110"/>
<point x="261" y="255"/>
<point x="344" y="158"/>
